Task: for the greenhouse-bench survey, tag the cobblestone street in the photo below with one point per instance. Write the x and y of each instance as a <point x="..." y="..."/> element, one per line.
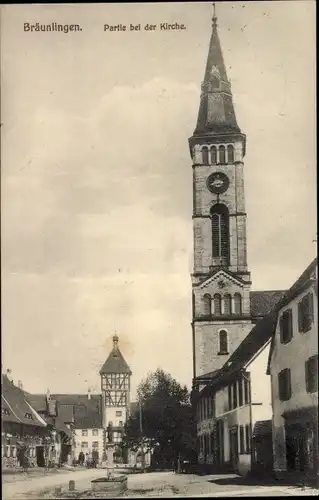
<point x="156" y="485"/>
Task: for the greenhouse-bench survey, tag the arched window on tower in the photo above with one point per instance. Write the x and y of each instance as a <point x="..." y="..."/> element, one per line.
<point x="205" y="155"/>
<point x="207" y="304"/>
<point x="230" y="154"/>
<point x="223" y="342"/>
<point x="217" y="304"/>
<point x="227" y="304"/>
<point x="220" y="234"/>
<point x="213" y="155"/>
<point x="237" y="304"/>
<point x="222" y="155"/>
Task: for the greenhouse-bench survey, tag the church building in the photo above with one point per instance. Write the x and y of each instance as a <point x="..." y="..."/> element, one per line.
<point x="225" y="311"/>
<point x="224" y="308"/>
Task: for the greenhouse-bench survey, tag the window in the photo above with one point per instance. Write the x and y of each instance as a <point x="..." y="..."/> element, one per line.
<point x="284" y="384"/>
<point x="95" y="444"/>
<point x="246" y="391"/>
<point x="240" y="392"/>
<point x="95" y="432"/>
<point x="311" y="373"/>
<point x="121" y="423"/>
<point x="84" y="444"/>
<point x="227" y="304"/>
<point x="84" y="432"/>
<point x="234" y="391"/>
<point x="207" y="304"/>
<point x="118" y="413"/>
<point x="305" y="313"/>
<point x="220" y="233"/>
<point x="285" y="326"/>
<point x="205" y="155"/>
<point x="241" y="439"/>
<point x="229" y="398"/>
<point x="230" y="154"/>
<point x="217" y="304"/>
<point x="223" y="342"/>
<point x="247" y="437"/>
<point x="222" y="156"/>
<point x="213" y="155"/>
<point x="237" y="304"/>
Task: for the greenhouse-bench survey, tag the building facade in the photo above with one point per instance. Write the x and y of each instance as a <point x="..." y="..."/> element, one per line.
<point x="293" y="369"/>
<point x="234" y="409"/>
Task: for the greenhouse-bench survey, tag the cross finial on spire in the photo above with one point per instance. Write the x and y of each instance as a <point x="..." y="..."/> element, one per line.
<point x="214" y="19"/>
<point x="115" y="340"/>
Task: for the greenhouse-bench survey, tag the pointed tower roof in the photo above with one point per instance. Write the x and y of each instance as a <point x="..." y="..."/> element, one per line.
<point x="115" y="363"/>
<point x="216" y="111"/>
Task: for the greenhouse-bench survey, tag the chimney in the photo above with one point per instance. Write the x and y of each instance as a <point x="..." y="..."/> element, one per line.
<point x="89" y="393"/>
<point x="20" y="385"/>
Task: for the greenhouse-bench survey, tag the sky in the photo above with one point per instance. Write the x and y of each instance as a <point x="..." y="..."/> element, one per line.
<point x="96" y="177"/>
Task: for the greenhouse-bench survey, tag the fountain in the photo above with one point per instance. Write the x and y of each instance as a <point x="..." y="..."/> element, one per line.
<point x="111" y="483"/>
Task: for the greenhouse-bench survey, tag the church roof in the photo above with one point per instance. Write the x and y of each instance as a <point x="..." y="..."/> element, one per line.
<point x="262" y="302"/>
<point x="216" y="111"/>
<point x="115" y="363"/>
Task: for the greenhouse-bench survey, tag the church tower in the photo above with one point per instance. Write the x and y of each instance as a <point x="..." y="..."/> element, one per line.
<point x="115" y="384"/>
<point x="221" y="278"/>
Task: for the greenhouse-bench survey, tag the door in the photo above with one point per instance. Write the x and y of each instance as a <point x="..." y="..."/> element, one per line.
<point x="233" y="444"/>
<point x="40" y="456"/>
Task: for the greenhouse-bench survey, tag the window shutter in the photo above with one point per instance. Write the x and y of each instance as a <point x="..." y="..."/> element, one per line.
<point x="300" y="316"/>
<point x="290" y="331"/>
<point x="310" y="307"/>
<point x="281" y="329"/>
<point x="288" y="383"/>
<point x="307" y="375"/>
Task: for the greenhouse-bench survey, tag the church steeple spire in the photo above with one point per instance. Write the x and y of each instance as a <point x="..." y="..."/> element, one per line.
<point x="216" y="111"/>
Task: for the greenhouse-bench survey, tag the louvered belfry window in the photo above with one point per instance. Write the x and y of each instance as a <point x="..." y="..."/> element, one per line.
<point x="220" y="233"/>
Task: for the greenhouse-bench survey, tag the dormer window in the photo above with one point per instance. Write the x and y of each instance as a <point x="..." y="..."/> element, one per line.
<point x="5" y="411"/>
<point x="28" y="415"/>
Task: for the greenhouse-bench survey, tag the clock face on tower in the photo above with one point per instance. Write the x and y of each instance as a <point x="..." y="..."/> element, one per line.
<point x="218" y="182"/>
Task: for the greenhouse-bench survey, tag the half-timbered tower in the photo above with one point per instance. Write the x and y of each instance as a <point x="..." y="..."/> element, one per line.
<point x="115" y="385"/>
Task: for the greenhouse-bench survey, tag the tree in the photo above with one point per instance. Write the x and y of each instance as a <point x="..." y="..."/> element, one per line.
<point x="168" y="427"/>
